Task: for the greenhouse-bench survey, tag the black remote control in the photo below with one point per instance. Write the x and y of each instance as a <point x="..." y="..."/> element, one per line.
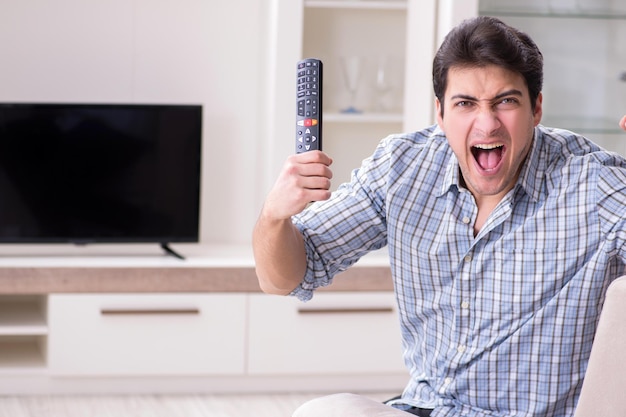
<point x="309" y="103"/>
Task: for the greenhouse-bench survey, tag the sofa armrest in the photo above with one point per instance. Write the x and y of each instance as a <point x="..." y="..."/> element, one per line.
<point x="603" y="392"/>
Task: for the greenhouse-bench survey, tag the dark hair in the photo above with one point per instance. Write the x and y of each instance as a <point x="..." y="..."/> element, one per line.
<point x="483" y="41"/>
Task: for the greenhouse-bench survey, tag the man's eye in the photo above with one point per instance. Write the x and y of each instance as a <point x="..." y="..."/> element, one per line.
<point x="508" y="102"/>
<point x="463" y="103"/>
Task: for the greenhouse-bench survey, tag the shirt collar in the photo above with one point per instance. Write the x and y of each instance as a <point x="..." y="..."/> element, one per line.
<point x="532" y="175"/>
<point x="532" y="178"/>
<point x="451" y="175"/>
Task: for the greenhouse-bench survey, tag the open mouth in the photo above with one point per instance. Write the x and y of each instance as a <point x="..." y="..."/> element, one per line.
<point x="488" y="156"/>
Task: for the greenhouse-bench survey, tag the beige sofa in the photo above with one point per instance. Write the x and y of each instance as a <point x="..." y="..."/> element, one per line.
<point x="604" y="389"/>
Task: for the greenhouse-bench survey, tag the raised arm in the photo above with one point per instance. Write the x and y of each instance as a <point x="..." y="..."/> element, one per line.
<point x="278" y="245"/>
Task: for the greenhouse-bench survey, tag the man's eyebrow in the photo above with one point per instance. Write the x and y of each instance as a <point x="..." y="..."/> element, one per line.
<point x="463" y="97"/>
<point x="512" y="92"/>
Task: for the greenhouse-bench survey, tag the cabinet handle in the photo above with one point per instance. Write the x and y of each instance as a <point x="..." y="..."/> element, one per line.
<point x="345" y="310"/>
<point x="148" y="311"/>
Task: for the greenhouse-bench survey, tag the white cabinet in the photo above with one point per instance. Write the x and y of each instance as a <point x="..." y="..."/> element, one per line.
<point x="145" y="334"/>
<point x="400" y="33"/>
<point x="199" y="342"/>
<point x="363" y="74"/>
<point x="333" y="334"/>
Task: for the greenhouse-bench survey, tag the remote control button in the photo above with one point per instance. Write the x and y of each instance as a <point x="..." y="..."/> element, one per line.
<point x="307" y="122"/>
<point x="301" y="107"/>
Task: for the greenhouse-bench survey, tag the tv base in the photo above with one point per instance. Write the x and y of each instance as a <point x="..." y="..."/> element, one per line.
<point x="166" y="247"/>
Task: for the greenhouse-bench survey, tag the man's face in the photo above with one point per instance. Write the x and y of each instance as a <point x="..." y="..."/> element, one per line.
<point x="489" y="123"/>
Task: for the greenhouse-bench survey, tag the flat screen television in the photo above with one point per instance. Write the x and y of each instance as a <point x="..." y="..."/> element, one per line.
<point x="91" y="173"/>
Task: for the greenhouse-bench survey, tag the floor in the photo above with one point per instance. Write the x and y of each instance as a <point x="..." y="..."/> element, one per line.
<point x="257" y="405"/>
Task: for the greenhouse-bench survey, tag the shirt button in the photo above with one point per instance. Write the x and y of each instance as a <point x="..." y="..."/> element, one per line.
<point x="445" y="385"/>
<point x="461" y="348"/>
<point x="465" y="305"/>
<point x="466" y="220"/>
<point x="468" y="258"/>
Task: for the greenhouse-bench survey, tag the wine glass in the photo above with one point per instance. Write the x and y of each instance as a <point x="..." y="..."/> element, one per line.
<point x="382" y="82"/>
<point x="352" y="69"/>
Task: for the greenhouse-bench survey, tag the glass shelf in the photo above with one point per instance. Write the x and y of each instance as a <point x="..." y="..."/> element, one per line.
<point x="573" y="14"/>
<point x="584" y="126"/>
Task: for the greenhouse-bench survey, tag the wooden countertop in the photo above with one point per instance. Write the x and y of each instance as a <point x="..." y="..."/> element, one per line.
<point x="143" y="268"/>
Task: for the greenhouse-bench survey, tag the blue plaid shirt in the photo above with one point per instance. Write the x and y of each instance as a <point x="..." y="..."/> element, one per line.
<point x="498" y="324"/>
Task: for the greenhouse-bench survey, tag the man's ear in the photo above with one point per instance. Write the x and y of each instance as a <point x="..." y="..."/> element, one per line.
<point x="538" y="109"/>
<point x="439" y="113"/>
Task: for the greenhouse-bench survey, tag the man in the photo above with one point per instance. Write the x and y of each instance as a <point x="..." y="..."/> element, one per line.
<point x="503" y="236"/>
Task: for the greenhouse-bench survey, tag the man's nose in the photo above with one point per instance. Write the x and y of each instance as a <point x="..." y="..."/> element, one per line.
<point x="487" y="121"/>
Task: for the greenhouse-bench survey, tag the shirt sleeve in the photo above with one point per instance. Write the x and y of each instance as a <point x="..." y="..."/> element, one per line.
<point x="612" y="206"/>
<point x="339" y="231"/>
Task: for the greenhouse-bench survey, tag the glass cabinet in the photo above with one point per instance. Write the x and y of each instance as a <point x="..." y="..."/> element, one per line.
<point x="584" y="47"/>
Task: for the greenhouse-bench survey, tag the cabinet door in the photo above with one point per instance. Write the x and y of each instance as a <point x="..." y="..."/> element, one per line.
<point x="133" y="335"/>
<point x="335" y="333"/>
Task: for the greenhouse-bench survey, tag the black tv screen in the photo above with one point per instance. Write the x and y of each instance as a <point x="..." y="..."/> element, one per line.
<point x="87" y="173"/>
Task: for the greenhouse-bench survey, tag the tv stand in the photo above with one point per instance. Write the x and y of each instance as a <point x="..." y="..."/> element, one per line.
<point x="166" y="247"/>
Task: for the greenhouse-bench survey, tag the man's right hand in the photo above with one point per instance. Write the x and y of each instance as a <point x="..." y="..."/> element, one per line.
<point x="304" y="178"/>
<point x="279" y="250"/>
<point x="622" y="122"/>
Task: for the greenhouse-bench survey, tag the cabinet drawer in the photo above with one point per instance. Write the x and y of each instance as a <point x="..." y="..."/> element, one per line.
<point x="145" y="334"/>
<point x="347" y="333"/>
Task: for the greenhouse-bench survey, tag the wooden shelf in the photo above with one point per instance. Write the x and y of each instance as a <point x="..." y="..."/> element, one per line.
<point x="356" y="4"/>
<point x="365" y="117"/>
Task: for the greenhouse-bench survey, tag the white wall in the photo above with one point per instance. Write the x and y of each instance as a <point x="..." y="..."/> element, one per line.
<point x="153" y="51"/>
